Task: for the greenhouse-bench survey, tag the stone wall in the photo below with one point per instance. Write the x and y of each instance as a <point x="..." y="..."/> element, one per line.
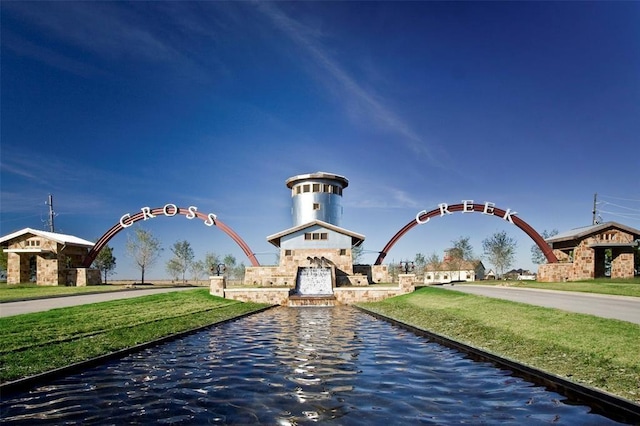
<point x="272" y="296"/>
<point x="554" y="272"/>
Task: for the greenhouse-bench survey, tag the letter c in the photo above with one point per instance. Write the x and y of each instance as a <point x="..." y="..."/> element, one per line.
<point x="420" y="213"/>
<point x="123" y="218"/>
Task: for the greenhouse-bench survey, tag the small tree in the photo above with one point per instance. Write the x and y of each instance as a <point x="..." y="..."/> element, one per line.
<point x="500" y="250"/>
<point x="462" y="249"/>
<point x="420" y="262"/>
<point x="230" y="266"/>
<point x="174" y="269"/>
<point x="356" y="253"/>
<point x="182" y="257"/>
<point x="197" y="269"/>
<point x="105" y="262"/>
<point x="144" y="249"/>
<point x="211" y="262"/>
<point x="537" y="256"/>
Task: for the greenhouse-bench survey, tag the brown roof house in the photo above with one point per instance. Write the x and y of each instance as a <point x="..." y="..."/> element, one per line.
<point x="47" y="258"/>
<point x="454" y="270"/>
<point x="602" y="250"/>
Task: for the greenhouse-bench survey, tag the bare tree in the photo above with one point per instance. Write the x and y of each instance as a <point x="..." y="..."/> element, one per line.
<point x="537" y="256"/>
<point x="197" y="269"/>
<point x="144" y="249"/>
<point x="500" y="250"/>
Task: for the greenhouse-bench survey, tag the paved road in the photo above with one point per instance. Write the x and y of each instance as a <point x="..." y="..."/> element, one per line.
<point x="29" y="306"/>
<point x="617" y="307"/>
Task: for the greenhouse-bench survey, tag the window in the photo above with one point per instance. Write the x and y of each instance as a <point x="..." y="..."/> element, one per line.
<point x="316" y="236"/>
<point x="316" y="206"/>
<point x="306" y="188"/>
<point x="326" y="188"/>
<point x="343" y="252"/>
<point x="316" y="187"/>
<point x="298" y="189"/>
<point x="287" y="252"/>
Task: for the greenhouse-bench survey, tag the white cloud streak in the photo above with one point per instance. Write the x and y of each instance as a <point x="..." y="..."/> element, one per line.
<point x="368" y="100"/>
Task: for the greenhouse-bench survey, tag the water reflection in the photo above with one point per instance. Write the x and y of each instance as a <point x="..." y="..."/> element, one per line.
<point x="296" y="366"/>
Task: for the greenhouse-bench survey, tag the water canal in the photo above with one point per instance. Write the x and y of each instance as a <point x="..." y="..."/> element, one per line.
<point x="290" y="366"/>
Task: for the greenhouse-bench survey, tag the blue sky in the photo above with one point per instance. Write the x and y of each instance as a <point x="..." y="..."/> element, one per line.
<point x="113" y="106"/>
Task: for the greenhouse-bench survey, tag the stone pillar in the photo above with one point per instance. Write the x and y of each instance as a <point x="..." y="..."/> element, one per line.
<point x="217" y="286"/>
<point x="406" y="282"/>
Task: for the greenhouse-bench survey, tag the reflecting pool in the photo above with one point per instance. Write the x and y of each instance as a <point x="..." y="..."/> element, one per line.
<point x="289" y="366"/>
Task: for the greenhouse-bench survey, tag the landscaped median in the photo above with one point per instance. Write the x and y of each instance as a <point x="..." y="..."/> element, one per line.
<point x="35" y="343"/>
<point x="597" y="352"/>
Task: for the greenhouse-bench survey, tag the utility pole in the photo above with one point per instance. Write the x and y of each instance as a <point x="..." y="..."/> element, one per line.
<point x="595" y="199"/>
<point x="51" y="214"/>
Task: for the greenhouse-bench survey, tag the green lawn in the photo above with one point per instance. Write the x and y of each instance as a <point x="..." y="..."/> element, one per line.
<point x="14" y="292"/>
<point x="629" y="287"/>
<point x="597" y="352"/>
<point x="39" y="342"/>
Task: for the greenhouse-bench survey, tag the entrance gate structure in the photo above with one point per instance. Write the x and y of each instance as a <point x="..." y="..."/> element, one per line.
<point x="468" y="206"/>
<point x="168" y="210"/>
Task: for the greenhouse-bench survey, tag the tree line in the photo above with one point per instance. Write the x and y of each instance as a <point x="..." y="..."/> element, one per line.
<point x="144" y="249"/>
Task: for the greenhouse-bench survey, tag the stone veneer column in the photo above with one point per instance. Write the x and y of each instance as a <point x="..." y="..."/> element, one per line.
<point x="406" y="282"/>
<point x="217" y="286"/>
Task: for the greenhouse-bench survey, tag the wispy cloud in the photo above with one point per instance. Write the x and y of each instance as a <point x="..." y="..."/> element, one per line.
<point x="369" y="101"/>
<point x="381" y="197"/>
<point x="99" y="31"/>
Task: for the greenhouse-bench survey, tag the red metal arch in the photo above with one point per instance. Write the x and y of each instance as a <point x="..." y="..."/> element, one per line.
<point x="494" y="211"/>
<point x="162" y="211"/>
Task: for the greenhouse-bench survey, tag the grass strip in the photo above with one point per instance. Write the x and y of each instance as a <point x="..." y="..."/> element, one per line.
<point x="597" y="352"/>
<point x="16" y="292"/>
<point x="45" y="341"/>
<point x="629" y="287"/>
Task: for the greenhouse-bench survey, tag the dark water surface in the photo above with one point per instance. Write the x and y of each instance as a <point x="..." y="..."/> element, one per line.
<point x="296" y="366"/>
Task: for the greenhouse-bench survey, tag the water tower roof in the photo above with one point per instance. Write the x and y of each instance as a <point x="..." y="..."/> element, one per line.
<point x="317" y="175"/>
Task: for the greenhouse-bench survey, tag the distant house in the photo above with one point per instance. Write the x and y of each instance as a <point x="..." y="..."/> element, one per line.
<point x="454" y="270"/>
<point x="47" y="258"/>
<point x="520" y="274"/>
<point x="490" y="275"/>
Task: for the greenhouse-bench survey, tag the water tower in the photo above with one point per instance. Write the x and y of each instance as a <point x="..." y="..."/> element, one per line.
<point x="316" y="196"/>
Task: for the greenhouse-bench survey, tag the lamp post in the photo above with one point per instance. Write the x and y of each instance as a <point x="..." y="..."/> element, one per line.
<point x="406" y="266"/>
<point x="220" y="268"/>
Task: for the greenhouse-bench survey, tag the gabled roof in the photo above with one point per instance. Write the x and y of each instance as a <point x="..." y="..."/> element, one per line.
<point x="53" y="236"/>
<point x="356" y="239"/>
<point x="585" y="231"/>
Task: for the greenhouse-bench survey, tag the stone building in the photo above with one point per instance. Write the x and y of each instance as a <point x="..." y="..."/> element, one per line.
<point x="47" y="258"/>
<point x="603" y="250"/>
<point x="316" y="252"/>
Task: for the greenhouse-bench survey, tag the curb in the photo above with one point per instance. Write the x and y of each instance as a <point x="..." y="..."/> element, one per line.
<point x="609" y="405"/>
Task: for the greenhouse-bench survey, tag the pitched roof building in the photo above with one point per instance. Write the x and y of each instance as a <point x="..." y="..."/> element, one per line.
<point x="47" y="258"/>
<point x="602" y="250"/>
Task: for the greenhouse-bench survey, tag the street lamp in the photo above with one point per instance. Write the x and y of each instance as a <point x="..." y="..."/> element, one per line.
<point x="407" y="266"/>
<point x="220" y="268"/>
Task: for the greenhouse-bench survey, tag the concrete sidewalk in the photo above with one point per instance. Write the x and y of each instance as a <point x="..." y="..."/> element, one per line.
<point x="623" y="308"/>
<point x="39" y="305"/>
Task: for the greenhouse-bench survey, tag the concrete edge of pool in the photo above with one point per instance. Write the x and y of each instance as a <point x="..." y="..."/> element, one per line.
<point x="601" y="402"/>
